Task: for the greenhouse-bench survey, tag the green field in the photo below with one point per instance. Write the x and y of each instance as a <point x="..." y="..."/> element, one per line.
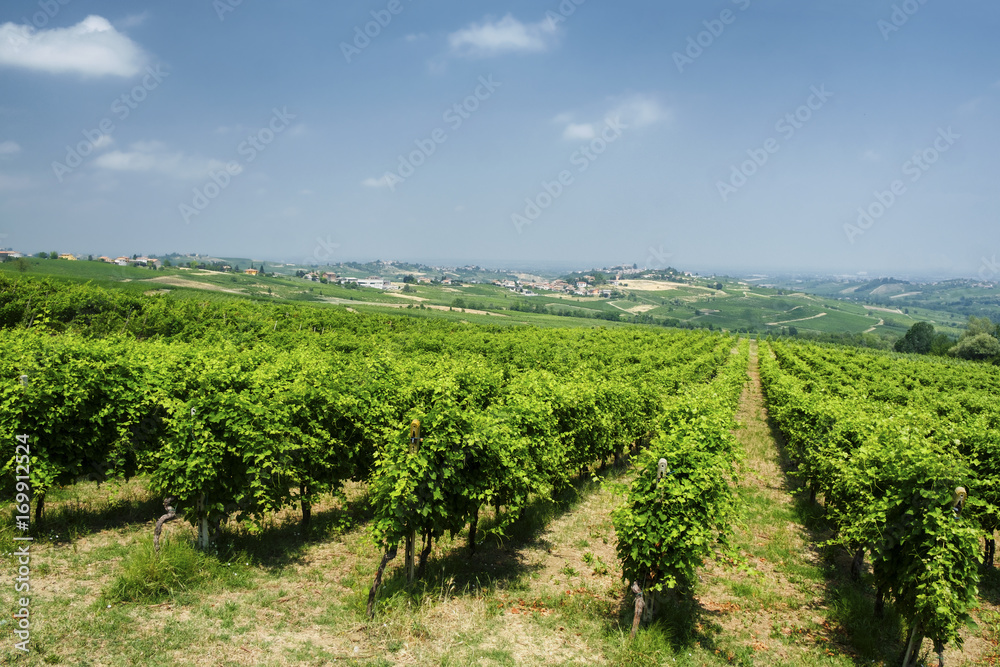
<point x="817" y="308"/>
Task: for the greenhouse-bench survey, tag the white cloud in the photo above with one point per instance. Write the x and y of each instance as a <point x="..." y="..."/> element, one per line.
<point x="376" y="182"/>
<point x="103" y="141"/>
<point x="9" y="148"/>
<point x="508" y="35"/>
<point x="414" y="37"/>
<point x="153" y="156"/>
<point x="576" y="131"/>
<point x="871" y="156"/>
<point x="92" y="47"/>
<point x="632" y="112"/>
<point x="639" y="111"/>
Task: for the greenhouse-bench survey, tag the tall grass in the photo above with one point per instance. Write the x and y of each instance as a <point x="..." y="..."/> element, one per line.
<point x="146" y="576"/>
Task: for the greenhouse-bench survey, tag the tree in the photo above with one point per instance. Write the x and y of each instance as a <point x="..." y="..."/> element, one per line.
<point x="409" y="279"/>
<point x="90" y="258"/>
<point x="918" y="340"/>
<point x="53" y="255"/>
<point x="41" y="255"/>
<point x="940" y="344"/>
<point x="980" y="325"/>
<point x="977" y="348"/>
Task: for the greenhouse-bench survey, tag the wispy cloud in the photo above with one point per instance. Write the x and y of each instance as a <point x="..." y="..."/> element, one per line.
<point x="575" y="131"/>
<point x="103" y="142"/>
<point x="871" y="156"/>
<point x="153" y="157"/>
<point x="634" y="112"/>
<point x="9" y="148"/>
<point x="376" y="182"/>
<point x="508" y="35"/>
<point x="92" y="47"/>
<point x="640" y="111"/>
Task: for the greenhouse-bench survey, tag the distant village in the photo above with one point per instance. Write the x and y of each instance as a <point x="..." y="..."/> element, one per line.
<point x="603" y="285"/>
<point x="135" y="260"/>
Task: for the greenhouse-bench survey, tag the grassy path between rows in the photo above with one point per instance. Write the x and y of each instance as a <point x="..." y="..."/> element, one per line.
<point x="786" y="601"/>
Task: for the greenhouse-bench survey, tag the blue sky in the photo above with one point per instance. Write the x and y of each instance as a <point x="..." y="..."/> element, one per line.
<point x="731" y="135"/>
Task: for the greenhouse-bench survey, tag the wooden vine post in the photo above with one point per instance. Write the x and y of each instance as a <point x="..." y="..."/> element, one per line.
<point x="169" y="504"/>
<point x="640" y="604"/>
<point x="204" y="537"/>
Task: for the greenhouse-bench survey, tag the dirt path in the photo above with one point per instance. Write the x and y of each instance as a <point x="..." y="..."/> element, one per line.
<point x="801" y="319"/>
<point x="880" y="323"/>
<point x="174" y="281"/>
<point x="341" y="302"/>
<point x="894" y="311"/>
